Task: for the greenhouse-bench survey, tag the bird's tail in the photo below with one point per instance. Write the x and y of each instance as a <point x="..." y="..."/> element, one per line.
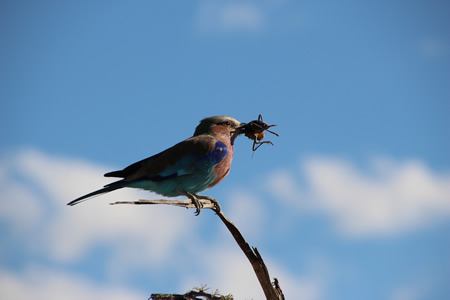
<point x="108" y="188"/>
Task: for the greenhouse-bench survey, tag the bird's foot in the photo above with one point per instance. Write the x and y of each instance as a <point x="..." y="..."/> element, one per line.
<point x="217" y="207"/>
<point x="198" y="205"/>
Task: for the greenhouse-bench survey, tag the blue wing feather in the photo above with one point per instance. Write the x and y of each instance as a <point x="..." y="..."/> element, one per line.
<point x="191" y="164"/>
<point x="214" y="157"/>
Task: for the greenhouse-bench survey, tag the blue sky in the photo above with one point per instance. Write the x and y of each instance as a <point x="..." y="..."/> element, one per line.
<point x="352" y="202"/>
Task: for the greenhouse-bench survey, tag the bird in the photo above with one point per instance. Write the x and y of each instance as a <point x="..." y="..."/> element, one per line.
<point x="187" y="168"/>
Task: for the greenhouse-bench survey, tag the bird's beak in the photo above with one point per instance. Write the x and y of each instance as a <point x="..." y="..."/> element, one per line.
<point x="238" y="131"/>
<point x="241" y="128"/>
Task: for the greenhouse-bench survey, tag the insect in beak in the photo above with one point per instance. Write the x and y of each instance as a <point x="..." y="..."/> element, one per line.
<point x="254" y="130"/>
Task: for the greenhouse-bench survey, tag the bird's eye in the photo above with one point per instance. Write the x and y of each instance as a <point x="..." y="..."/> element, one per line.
<point x="228" y="123"/>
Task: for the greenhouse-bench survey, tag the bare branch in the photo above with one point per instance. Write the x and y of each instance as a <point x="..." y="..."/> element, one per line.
<point x="187" y="203"/>
<point x="271" y="290"/>
<point x="191" y="295"/>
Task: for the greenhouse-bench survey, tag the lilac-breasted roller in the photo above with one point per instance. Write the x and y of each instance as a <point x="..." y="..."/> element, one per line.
<point x="191" y="166"/>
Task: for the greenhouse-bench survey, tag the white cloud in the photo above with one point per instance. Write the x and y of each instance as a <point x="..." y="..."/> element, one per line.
<point x="234" y="16"/>
<point x="312" y="285"/>
<point x="248" y="16"/>
<point x="19" y="206"/>
<point x="388" y="199"/>
<point x="35" y="190"/>
<point x="404" y="294"/>
<point x="241" y="16"/>
<point x="232" y="273"/>
<point x="421" y="289"/>
<point x="284" y="185"/>
<point x="65" y="233"/>
<point x="246" y="212"/>
<point x="42" y="284"/>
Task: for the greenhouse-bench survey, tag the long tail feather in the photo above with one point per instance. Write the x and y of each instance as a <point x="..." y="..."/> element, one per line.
<point x="106" y="189"/>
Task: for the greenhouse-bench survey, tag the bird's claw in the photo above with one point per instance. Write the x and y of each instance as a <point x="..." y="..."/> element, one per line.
<point x="217" y="207"/>
<point x="199" y="205"/>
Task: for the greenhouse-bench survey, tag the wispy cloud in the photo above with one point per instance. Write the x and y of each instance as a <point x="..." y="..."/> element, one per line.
<point x="40" y="200"/>
<point x="414" y="290"/>
<point x="234" y="16"/>
<point x="42" y="284"/>
<point x="247" y="213"/>
<point x="250" y="16"/>
<point x="232" y="272"/>
<point x="387" y="199"/>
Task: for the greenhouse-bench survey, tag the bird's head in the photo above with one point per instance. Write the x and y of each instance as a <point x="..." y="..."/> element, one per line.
<point x="220" y="125"/>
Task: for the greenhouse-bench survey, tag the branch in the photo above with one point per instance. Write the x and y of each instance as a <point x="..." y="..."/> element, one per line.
<point x="180" y="203"/>
<point x="191" y="295"/>
<point x="271" y="290"/>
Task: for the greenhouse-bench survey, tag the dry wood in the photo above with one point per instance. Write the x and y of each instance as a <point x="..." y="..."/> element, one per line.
<point x="271" y="290"/>
<point x="191" y="295"/>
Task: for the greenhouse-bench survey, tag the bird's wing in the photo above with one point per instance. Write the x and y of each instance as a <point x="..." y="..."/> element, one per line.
<point x="187" y="157"/>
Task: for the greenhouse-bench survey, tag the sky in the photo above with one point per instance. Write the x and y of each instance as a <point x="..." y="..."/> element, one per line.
<point x="351" y="202"/>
